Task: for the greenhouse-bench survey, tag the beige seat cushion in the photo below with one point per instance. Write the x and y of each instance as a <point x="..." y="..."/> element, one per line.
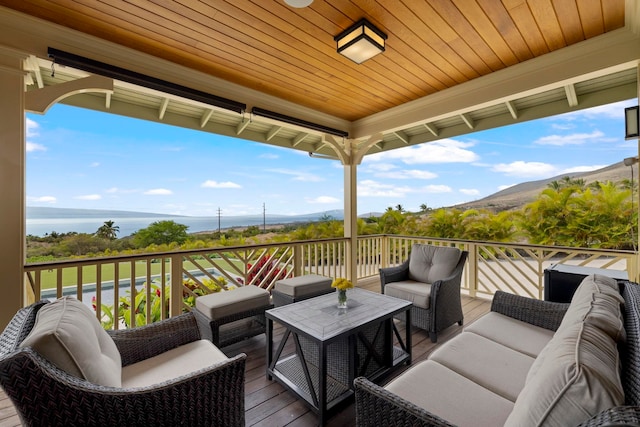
<point x="485" y="362"/>
<point x="429" y="263"/>
<point x="221" y="304"/>
<point x="68" y="334"/>
<point x="304" y="285"/>
<point x="409" y="290"/>
<point x="512" y="333"/>
<point x="577" y="375"/>
<point x="451" y="396"/>
<point x="172" y="364"/>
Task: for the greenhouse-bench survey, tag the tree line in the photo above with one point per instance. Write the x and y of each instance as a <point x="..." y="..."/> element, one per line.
<point x="566" y="213"/>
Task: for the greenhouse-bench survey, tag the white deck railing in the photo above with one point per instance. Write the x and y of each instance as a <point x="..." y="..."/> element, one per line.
<point x="491" y="266"/>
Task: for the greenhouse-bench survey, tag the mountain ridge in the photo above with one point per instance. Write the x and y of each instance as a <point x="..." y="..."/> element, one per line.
<point x="518" y="195"/>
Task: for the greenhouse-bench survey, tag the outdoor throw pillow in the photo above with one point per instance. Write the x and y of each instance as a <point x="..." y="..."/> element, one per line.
<point x="68" y="334"/>
<point x="428" y="263"/>
<point x="577" y="374"/>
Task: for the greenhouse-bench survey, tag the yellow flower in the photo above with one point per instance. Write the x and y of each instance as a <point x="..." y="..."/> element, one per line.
<point x="342" y="284"/>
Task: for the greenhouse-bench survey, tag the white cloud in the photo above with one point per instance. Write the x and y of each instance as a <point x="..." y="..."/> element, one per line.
<point x="42" y="199"/>
<point x="442" y="151"/>
<point x="116" y="190"/>
<point x="269" y="156"/>
<point x="33" y="146"/>
<point x="158" y="192"/>
<point x="32" y="127"/>
<point x="369" y="188"/>
<point x="94" y="164"/>
<point x="89" y="197"/>
<point x="32" y="131"/>
<point x="470" y="191"/>
<point x="407" y="174"/>
<point x="525" y="169"/>
<point x="215" y="184"/>
<point x="563" y="126"/>
<point x="381" y="167"/>
<point x="298" y="175"/>
<point x="437" y="189"/>
<point x="578" y="169"/>
<point x="573" y="139"/>
<point x="323" y="200"/>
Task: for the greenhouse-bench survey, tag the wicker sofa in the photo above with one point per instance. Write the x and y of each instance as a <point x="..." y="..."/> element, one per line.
<point x="527" y="362"/>
<point x="162" y="374"/>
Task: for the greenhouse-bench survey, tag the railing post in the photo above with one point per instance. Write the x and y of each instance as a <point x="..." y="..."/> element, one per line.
<point x="385" y="255"/>
<point x="175" y="306"/>
<point x="472" y="267"/>
<point x="297" y="260"/>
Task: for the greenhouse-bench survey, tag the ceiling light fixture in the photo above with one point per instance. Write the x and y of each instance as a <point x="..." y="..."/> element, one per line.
<point x="361" y="41"/>
<point x="298" y="3"/>
<point x="631" y="119"/>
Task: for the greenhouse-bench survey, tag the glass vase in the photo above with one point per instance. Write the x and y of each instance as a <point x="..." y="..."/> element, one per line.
<point x="342" y="298"/>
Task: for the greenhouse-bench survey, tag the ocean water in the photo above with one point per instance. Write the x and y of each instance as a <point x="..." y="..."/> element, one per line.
<point x="43" y="226"/>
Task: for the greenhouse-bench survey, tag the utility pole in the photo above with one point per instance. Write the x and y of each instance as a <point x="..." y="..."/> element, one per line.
<point x="219" y="220"/>
<point x="264" y="218"/>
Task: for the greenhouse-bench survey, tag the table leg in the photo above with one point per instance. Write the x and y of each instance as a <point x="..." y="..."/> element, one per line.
<point x="408" y="335"/>
<point x="322" y="384"/>
<point x="269" y="346"/>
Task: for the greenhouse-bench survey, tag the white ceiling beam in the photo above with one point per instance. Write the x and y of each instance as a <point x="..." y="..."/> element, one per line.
<point x="107" y="100"/>
<point x="432" y="128"/>
<point x="32" y="65"/>
<point x="572" y="97"/>
<point x="242" y="126"/>
<point x="273" y="132"/>
<point x="299" y="138"/>
<point x="163" y="108"/>
<point x="468" y="120"/>
<point x="512" y="109"/>
<point x="206" y="116"/>
<point x="402" y="136"/>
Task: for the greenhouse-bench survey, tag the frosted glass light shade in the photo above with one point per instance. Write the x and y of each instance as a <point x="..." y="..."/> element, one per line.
<point x="361" y="41"/>
<point x="298" y="3"/>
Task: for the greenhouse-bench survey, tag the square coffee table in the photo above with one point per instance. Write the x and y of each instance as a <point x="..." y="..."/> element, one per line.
<point x="324" y="348"/>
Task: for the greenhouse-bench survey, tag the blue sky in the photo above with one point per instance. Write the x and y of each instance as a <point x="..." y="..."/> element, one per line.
<point x="84" y="159"/>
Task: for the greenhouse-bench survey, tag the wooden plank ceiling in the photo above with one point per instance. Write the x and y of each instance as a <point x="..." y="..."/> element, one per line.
<point x="290" y="53"/>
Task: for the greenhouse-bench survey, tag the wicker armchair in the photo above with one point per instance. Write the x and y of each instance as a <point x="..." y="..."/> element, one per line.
<point x="45" y="395"/>
<point x="436" y="300"/>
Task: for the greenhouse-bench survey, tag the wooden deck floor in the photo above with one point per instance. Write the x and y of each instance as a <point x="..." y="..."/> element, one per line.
<point x="267" y="403"/>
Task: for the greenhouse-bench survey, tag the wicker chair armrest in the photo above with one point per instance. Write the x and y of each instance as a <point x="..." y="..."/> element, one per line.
<point x="376" y="406"/>
<point x="545" y="314"/>
<point x="143" y="342"/>
<point x="210" y="396"/>
<point x="617" y="416"/>
<point x="394" y="274"/>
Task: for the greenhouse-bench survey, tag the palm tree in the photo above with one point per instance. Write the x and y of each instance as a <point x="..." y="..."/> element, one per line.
<point x="424" y="208"/>
<point x="400" y="208"/>
<point x="108" y="230"/>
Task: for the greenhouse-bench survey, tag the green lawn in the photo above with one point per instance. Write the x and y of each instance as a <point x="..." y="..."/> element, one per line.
<point x="89" y="273"/>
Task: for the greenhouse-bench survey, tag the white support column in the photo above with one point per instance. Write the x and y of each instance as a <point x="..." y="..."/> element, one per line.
<point x="12" y="182"/>
<point x="351" y="220"/>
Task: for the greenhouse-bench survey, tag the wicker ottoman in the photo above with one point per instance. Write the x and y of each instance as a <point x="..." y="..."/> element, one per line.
<point x="300" y="288"/>
<point x="231" y="316"/>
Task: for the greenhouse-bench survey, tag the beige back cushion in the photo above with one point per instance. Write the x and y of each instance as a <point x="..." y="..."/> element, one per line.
<point x="428" y="263"/>
<point x="68" y="334"/>
<point x="577" y="374"/>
